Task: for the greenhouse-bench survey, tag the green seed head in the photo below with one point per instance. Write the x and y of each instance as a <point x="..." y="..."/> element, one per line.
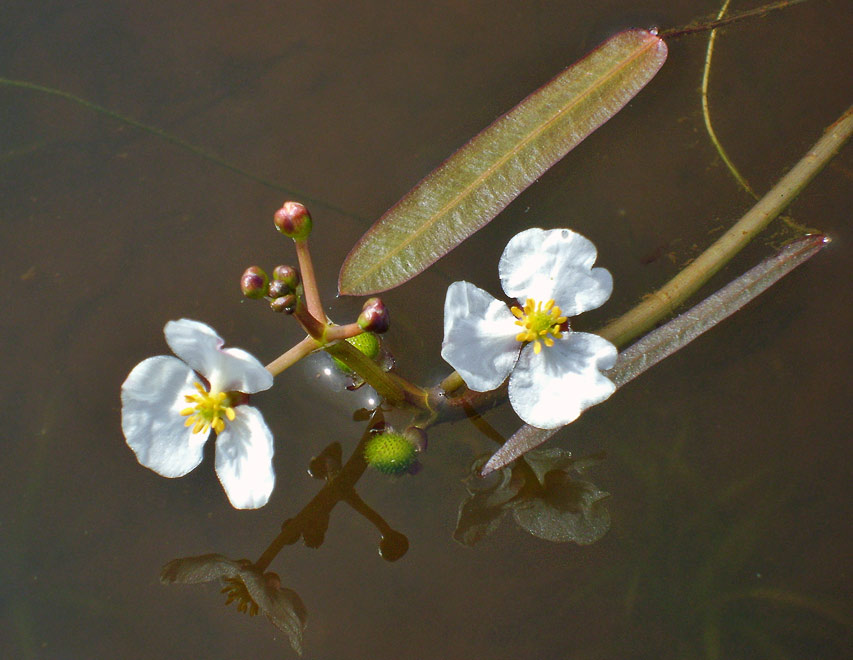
<point x="390" y="453"/>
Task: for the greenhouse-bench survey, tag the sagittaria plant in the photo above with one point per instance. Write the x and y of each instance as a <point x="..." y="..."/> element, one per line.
<point x="525" y="351"/>
<point x="554" y="373"/>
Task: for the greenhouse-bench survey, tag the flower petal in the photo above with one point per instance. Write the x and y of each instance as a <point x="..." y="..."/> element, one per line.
<point x="553" y="388"/>
<point x="554" y="264"/>
<point x="244" y="453"/>
<point x="479" y="336"/>
<point x="577" y="291"/>
<point x="152" y="398"/>
<point x="227" y="369"/>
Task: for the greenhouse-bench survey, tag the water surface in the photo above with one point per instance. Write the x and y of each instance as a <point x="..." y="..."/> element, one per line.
<point x="727" y="465"/>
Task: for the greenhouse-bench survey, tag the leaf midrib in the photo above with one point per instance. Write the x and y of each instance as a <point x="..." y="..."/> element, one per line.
<point x="465" y="192"/>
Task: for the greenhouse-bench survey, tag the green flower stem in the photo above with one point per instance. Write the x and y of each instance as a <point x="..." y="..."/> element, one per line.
<point x="311" y="324"/>
<point x="391" y="387"/>
<point x="292" y="356"/>
<point x="664" y="301"/>
<point x="336" y="332"/>
<point x="463" y="403"/>
<point x="309" y="280"/>
<point x="452" y="383"/>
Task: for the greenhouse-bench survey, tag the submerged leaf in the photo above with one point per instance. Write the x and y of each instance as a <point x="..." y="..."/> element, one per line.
<point x="477" y="182"/>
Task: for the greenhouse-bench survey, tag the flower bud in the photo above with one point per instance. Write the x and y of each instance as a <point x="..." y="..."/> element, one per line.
<point x="293" y="220"/>
<point x="277" y="289"/>
<point x="374" y="316"/>
<point x="390" y="452"/>
<point x="286" y="304"/>
<point x="288" y="275"/>
<point x="254" y="282"/>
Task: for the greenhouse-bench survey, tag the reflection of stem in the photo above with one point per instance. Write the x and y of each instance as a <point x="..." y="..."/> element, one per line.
<point x="354" y="500"/>
<point x="662" y="303"/>
<point x="337" y="488"/>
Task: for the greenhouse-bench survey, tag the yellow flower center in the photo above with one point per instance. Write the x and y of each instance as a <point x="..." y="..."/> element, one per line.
<point x="208" y="410"/>
<point x="540" y="323"/>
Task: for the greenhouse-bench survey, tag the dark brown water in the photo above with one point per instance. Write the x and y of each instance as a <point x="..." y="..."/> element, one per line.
<point x="728" y="464"/>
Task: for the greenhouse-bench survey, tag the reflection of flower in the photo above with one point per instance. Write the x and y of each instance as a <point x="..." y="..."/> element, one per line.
<point x="544" y="498"/>
<point x="168" y="411"/>
<point x="254" y="590"/>
<point x="554" y="373"/>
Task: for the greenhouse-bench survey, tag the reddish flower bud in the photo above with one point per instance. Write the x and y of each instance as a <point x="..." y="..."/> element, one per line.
<point x="277" y="289"/>
<point x="288" y="275"/>
<point x="286" y="304"/>
<point x="374" y="316"/>
<point x="293" y="220"/>
<point x="254" y="282"/>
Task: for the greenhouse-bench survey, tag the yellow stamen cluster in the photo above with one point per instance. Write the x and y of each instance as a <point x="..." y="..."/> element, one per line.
<point x="208" y="410"/>
<point x="538" y="321"/>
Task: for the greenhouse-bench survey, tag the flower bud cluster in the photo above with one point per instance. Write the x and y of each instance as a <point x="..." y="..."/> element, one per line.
<point x="282" y="291"/>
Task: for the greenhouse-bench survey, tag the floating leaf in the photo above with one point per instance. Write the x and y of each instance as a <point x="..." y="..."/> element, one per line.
<point x="477" y="182"/>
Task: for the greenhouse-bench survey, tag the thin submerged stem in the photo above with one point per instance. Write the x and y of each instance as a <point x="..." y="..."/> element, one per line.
<point x="178" y="142"/>
<point x="706" y="113"/>
<point x="672" y="33"/>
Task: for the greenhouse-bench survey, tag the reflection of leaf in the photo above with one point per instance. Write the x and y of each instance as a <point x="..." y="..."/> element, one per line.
<point x="544" y="498"/>
<point x="253" y="590"/>
<point x="481" y="512"/>
<point x="569" y="510"/>
<point x="477" y="182"/>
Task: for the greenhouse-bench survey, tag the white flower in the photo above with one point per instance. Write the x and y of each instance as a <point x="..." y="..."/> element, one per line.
<point x="168" y="412"/>
<point x="554" y="373"/>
